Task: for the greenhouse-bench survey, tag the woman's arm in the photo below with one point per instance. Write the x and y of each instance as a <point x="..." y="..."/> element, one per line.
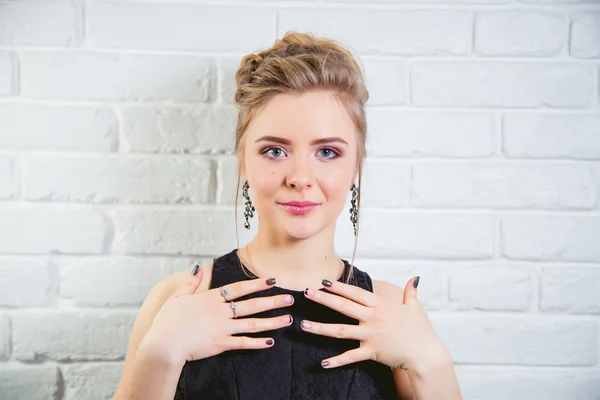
<point x="153" y="376"/>
<point x="434" y="377"/>
<point x="143" y="371"/>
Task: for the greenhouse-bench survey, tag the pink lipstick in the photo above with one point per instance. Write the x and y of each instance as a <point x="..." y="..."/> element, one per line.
<point x="299" y="207"/>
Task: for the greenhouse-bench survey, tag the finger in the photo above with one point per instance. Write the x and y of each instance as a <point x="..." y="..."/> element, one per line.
<point x="338" y="303"/>
<point x="260" y="304"/>
<point x="242" y="288"/>
<point x="253" y="325"/>
<point x="349" y="357"/>
<point x="244" y="342"/>
<point x="410" y="291"/>
<point x="354" y="293"/>
<point x="192" y="285"/>
<point x="339" y="331"/>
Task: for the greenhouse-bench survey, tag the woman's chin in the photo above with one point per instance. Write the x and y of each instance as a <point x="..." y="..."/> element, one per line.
<point x="301" y="231"/>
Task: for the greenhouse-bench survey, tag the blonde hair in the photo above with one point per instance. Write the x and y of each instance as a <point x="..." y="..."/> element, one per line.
<point x="298" y="63"/>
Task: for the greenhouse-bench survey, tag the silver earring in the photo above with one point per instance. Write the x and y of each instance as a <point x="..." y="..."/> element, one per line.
<point x="249" y="212"/>
<point x="354" y="209"/>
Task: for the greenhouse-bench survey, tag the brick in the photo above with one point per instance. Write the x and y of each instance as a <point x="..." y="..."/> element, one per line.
<point x="407" y="32"/>
<point x="385" y="184"/>
<point x="117" y="179"/>
<point x="62" y="128"/>
<point x="572" y="290"/>
<point x="438" y="134"/>
<point x="386" y="81"/>
<point x="399" y="272"/>
<point x="493" y="383"/>
<point x="4" y="338"/>
<point x="175" y="26"/>
<point x="91" y="380"/>
<point x="201" y="232"/>
<point x="491" y="288"/>
<point x="585" y="35"/>
<point x="179" y="130"/>
<point x="63" y="335"/>
<point x="519" y="33"/>
<point x="550" y="237"/>
<point x="501" y="84"/>
<point x="125" y="77"/>
<point x="227" y="181"/>
<point x="31" y="382"/>
<point x="227" y="66"/>
<point x="596" y="175"/>
<point x="111" y="281"/>
<point x="559" y="1"/>
<point x="26" y="282"/>
<point x="400" y="234"/>
<point x="35" y="22"/>
<point x="502" y="185"/>
<point x="533" y="341"/>
<point x="409" y="1"/>
<point x="8" y="178"/>
<point x="551" y="136"/>
<point x="7" y="75"/>
<point x="42" y="229"/>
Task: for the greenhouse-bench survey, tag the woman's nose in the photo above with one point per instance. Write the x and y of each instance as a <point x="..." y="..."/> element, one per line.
<point x="301" y="175"/>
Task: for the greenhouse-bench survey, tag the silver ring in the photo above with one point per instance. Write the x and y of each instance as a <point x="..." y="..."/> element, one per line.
<point x="233" y="306"/>
<point x="223" y="293"/>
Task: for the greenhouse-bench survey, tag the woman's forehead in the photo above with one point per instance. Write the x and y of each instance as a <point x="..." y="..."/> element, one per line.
<point x="303" y="117"/>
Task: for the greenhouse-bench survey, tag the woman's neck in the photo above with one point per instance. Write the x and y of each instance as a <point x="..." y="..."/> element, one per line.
<point x="295" y="264"/>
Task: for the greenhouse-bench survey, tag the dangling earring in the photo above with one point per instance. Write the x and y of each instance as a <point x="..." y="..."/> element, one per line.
<point x="354" y="209"/>
<point x="249" y="212"/>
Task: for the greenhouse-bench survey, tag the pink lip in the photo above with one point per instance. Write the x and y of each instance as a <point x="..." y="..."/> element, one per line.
<point x="300" y="203"/>
<point x="299" y="207"/>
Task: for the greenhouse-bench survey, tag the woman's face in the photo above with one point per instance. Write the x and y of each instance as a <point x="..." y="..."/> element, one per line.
<point x="300" y="160"/>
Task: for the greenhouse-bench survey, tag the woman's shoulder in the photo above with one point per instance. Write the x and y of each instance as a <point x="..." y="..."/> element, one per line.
<point x="379" y="287"/>
<point x="388" y="290"/>
<point x="214" y="272"/>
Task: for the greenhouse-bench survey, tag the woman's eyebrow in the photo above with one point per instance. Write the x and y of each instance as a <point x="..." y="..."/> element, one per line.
<point x="283" y="141"/>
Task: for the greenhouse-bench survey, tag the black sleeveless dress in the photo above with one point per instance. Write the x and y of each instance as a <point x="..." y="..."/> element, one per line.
<point x="291" y="369"/>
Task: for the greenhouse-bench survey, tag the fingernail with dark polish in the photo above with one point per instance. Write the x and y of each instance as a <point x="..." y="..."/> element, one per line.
<point x="416" y="282"/>
<point x="327" y="283"/>
<point x="291" y="319"/>
<point x="306" y="291"/>
<point x="269" y="342"/>
<point x="305" y="325"/>
<point x="271" y="281"/>
<point x="195" y="270"/>
<point x="288" y="299"/>
<point x="324" y="363"/>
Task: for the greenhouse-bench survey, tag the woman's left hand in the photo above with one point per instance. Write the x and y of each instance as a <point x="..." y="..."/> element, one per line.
<point x="395" y="332"/>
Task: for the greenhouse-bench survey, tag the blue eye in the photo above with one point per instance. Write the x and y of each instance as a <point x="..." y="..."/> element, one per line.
<point x="274" y="152"/>
<point x="328" y="153"/>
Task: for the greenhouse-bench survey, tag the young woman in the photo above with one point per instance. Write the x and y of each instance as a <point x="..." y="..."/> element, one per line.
<point x="285" y="316"/>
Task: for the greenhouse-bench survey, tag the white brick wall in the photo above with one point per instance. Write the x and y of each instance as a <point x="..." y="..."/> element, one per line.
<point x="483" y="177"/>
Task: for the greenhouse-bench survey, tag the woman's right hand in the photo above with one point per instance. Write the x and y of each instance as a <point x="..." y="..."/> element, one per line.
<point x="191" y="326"/>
